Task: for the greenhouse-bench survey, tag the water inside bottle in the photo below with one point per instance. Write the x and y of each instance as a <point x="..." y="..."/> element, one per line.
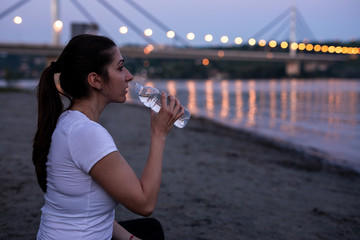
<point x="151" y="101"/>
<point x="151" y="98"/>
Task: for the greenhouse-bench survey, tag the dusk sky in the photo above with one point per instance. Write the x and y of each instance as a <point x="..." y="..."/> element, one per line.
<point x="328" y="20"/>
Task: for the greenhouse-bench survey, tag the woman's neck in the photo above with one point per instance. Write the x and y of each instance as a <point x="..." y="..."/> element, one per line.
<point x="91" y="109"/>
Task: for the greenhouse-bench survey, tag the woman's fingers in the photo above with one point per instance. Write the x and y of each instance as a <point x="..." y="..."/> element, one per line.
<point x="163" y="99"/>
<point x="170" y="111"/>
<point x="170" y="104"/>
<point x="180" y="112"/>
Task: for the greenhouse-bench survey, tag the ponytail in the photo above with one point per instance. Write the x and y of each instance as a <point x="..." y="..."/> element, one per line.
<point x="50" y="107"/>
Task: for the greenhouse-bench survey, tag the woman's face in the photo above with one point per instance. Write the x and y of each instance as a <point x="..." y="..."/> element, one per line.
<point x="119" y="77"/>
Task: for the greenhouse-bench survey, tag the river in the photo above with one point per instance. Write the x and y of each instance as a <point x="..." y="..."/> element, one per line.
<point x="321" y="116"/>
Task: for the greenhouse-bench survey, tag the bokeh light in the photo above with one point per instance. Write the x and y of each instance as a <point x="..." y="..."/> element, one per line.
<point x="331" y="49"/>
<point x="262" y="43"/>
<point x="338" y="49"/>
<point x="208" y="37"/>
<point x="294" y="46"/>
<point x="148" y="49"/>
<point x="324" y="48"/>
<point x="344" y="50"/>
<point x="224" y="39"/>
<point x="58" y="25"/>
<point x="252" y="41"/>
<point x="190" y="36"/>
<point x="205" y="61"/>
<point x="284" y="45"/>
<point x="309" y="47"/>
<point x="221" y="53"/>
<point x="317" y="48"/>
<point x="123" y="30"/>
<point x="170" y="34"/>
<point x="272" y="43"/>
<point x="17" y="20"/>
<point x="302" y="46"/>
<point x="148" y="32"/>
<point x="238" y="40"/>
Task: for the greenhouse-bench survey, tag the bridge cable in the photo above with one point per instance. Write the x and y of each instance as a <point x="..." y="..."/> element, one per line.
<point x="12" y="8"/>
<point x="272" y="23"/>
<point x="303" y="23"/>
<point x="86" y="14"/>
<point x="127" y="21"/>
<point x="282" y="28"/>
<point x="286" y="35"/>
<point x="155" y="20"/>
<point x="301" y="32"/>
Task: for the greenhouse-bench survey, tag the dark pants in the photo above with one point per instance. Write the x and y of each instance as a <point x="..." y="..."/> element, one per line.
<point x="144" y="228"/>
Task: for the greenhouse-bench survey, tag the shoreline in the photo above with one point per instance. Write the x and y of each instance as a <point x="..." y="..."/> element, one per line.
<point x="217" y="183"/>
<point x="325" y="160"/>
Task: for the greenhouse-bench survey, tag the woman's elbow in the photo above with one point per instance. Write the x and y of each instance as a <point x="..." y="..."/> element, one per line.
<point x="146" y="211"/>
<point x="141" y="207"/>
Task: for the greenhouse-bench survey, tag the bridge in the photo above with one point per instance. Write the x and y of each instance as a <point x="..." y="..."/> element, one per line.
<point x="167" y="52"/>
<point x="312" y="61"/>
<point x="298" y="53"/>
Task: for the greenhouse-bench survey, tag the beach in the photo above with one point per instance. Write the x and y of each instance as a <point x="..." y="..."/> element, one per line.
<point x="217" y="183"/>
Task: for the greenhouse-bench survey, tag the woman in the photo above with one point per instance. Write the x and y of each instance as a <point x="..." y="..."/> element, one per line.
<point x="77" y="163"/>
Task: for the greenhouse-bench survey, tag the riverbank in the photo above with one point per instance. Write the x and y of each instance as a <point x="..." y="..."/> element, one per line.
<point x="217" y="183"/>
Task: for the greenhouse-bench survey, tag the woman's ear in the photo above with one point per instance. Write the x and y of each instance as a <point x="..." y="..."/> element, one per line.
<point x="95" y="81"/>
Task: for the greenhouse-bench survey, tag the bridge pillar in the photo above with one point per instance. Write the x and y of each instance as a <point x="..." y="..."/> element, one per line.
<point x="293" y="68"/>
<point x="292" y="31"/>
<point x="54" y="8"/>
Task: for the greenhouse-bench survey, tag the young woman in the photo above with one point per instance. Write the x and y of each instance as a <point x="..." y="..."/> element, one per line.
<point x="78" y="166"/>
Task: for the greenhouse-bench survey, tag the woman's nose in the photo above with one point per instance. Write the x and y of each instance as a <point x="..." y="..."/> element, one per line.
<point x="129" y="76"/>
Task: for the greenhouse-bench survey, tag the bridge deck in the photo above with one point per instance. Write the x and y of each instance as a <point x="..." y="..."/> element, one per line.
<point x="51" y="51"/>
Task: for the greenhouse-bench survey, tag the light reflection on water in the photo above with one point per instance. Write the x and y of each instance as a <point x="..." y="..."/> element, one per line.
<point x="322" y="114"/>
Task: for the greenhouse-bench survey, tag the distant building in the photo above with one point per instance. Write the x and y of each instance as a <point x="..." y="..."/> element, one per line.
<point x="84" y="28"/>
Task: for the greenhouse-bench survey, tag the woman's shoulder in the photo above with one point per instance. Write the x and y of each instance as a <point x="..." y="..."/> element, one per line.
<point x="70" y="121"/>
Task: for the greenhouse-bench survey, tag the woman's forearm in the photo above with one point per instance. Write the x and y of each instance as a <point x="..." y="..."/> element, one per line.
<point x="120" y="233"/>
<point x="151" y="177"/>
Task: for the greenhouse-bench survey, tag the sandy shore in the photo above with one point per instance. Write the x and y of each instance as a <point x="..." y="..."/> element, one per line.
<point x="217" y="183"/>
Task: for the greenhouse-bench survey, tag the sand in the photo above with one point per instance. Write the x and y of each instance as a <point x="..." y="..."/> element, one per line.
<point x="217" y="183"/>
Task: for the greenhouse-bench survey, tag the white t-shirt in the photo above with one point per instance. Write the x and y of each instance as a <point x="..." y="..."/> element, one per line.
<point x="76" y="207"/>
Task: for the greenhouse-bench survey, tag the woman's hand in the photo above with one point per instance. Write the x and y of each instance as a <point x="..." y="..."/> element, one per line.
<point x="162" y="122"/>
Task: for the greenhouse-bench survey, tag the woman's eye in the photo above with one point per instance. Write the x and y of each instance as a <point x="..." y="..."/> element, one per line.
<point x="121" y="68"/>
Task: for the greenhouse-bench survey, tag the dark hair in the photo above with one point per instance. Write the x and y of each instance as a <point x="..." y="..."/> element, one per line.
<point x="82" y="55"/>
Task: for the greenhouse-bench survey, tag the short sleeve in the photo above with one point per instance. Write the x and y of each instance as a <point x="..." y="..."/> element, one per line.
<point x="88" y="144"/>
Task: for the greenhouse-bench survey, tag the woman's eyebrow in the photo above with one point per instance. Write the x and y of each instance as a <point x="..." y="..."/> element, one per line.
<point x="121" y="62"/>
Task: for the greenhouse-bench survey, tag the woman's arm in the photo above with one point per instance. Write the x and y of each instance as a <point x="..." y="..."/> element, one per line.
<point x="117" y="178"/>
<point x="120" y="233"/>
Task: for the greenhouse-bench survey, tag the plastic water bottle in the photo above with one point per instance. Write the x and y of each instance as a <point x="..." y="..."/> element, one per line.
<point x="151" y="98"/>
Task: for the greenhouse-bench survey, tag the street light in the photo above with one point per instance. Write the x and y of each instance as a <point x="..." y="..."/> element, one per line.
<point x="170" y="34"/>
<point x="17" y="20"/>
<point x="58" y="25"/>
<point x="190" y="36"/>
<point x="208" y="37"/>
<point x="148" y="32"/>
<point x="123" y="30"/>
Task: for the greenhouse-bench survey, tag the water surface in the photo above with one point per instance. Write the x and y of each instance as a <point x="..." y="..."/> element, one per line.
<point x="319" y="115"/>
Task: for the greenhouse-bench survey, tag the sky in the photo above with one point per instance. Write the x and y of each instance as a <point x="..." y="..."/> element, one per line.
<point x="328" y="20"/>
